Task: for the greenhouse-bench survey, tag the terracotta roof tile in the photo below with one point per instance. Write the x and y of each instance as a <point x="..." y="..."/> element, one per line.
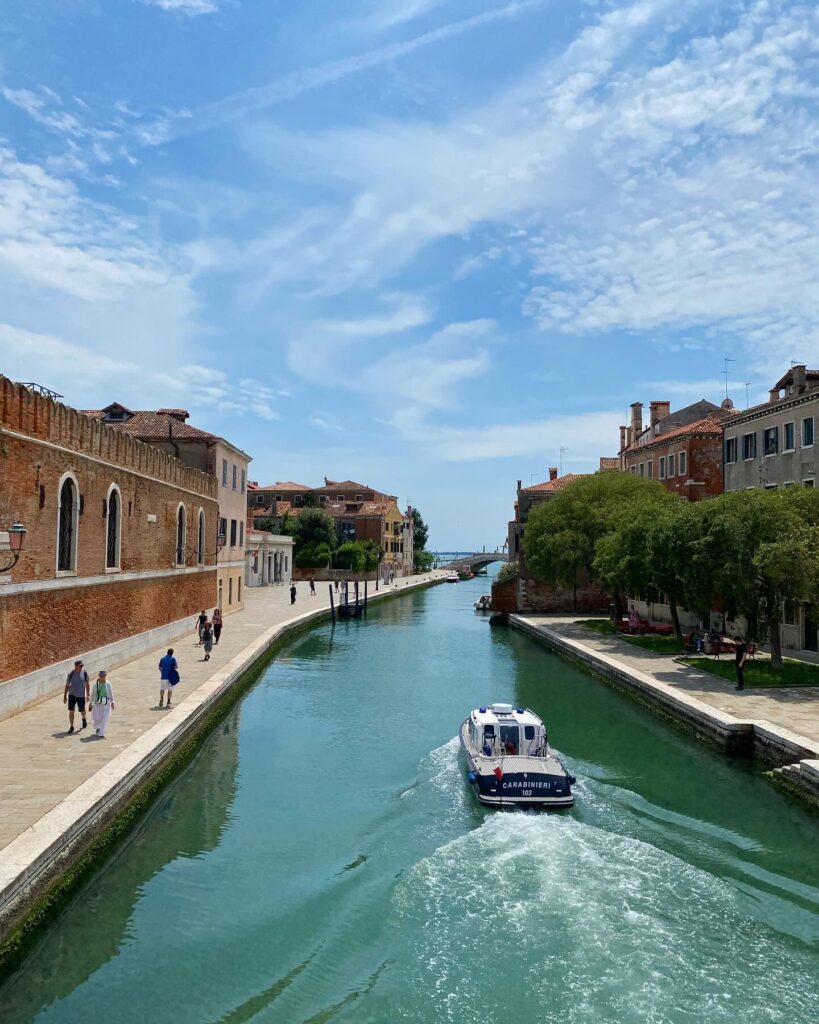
<point x="707" y="425"/>
<point x="552" y="486"/>
<point x="154" y="426"/>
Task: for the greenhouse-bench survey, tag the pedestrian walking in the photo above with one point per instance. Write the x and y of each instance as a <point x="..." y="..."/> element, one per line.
<point x="741" y="655"/>
<point x="217" y="625"/>
<point x="102" y="703"/>
<point x="312" y="588"/>
<point x="292" y="593"/>
<point x="336" y="586"/>
<point x="207" y="640"/>
<point x="168" y="676"/>
<point x="201" y="619"/>
<point x="76" y="693"/>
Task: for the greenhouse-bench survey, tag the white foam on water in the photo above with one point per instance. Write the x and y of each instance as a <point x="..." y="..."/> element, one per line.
<point x="546" y="918"/>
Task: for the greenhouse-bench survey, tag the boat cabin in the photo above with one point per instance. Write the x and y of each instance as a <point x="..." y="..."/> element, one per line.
<point x="501" y="730"/>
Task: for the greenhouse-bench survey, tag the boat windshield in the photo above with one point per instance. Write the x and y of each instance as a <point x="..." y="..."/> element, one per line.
<point x="510" y="738"/>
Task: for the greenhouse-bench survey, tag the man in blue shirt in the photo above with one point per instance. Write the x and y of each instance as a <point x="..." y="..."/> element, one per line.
<point x="167" y="667"/>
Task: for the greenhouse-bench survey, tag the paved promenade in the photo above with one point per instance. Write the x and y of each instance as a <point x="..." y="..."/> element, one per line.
<point x="794" y="709"/>
<point x="41" y="765"/>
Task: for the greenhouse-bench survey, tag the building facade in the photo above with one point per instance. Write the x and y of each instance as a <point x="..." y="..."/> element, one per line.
<point x="116" y="543"/>
<point x="682" y="450"/>
<point x="168" y="431"/>
<point x="772" y="445"/>
<point x="269" y="559"/>
<point x="360" y="513"/>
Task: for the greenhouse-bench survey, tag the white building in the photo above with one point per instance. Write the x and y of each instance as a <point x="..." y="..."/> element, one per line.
<point x="269" y="559"/>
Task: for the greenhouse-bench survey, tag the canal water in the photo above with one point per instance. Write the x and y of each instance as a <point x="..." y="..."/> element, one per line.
<point x="322" y="860"/>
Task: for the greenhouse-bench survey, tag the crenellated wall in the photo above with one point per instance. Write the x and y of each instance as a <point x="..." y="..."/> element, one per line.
<point x="26" y="412"/>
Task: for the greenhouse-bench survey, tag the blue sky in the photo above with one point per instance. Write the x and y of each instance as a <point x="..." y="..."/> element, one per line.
<point x="420" y="243"/>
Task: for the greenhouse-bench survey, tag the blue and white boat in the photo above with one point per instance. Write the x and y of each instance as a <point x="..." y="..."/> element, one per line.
<point x="510" y="762"/>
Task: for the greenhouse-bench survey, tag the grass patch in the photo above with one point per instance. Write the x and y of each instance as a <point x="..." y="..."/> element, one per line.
<point x="761" y="674"/>
<point x="655" y="644"/>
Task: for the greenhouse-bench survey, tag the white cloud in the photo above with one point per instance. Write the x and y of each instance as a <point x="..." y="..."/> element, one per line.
<point x="582" y="434"/>
<point x="189" y="7"/>
<point x="389" y="14"/>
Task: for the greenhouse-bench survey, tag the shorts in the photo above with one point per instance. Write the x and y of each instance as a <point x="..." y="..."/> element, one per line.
<point x="76" y="702"/>
<point x="165" y="686"/>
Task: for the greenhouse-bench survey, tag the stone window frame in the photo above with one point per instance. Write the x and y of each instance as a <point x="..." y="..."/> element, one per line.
<point x="770" y="433"/>
<point x="201" y="535"/>
<point x="661" y="469"/>
<point x="729" y="441"/>
<point x="117" y="567"/>
<point x="75" y="525"/>
<point x="812" y="432"/>
<point x="671" y="464"/>
<point x="650" y="469"/>
<point x="792" y="425"/>
<point x="682" y="462"/>
<point x="752" y="446"/>
<point x="179" y="541"/>
<point x="809" y="481"/>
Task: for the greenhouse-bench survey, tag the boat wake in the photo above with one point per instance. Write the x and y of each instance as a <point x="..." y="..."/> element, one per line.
<point x="581" y="924"/>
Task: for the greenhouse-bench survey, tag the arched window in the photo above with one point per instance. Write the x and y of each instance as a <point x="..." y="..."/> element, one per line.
<point x="67" y="526"/>
<point x="200" y="540"/>
<point x="180" y="535"/>
<point x="113" y="529"/>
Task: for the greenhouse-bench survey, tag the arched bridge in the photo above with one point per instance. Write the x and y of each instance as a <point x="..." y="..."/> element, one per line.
<point x="475" y="563"/>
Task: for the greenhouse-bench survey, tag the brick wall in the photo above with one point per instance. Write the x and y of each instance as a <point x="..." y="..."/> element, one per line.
<point x="44" y="616"/>
<point x="43" y="627"/>
<point x="525" y="594"/>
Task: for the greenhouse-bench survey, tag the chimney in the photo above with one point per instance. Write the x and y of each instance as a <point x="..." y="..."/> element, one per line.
<point x="553" y="472"/>
<point x="519" y="483"/>
<point x="799" y="378"/>
<point x="773" y="395"/>
<point x="623" y="435"/>
<point x="636" y="420"/>
<point x="659" y="410"/>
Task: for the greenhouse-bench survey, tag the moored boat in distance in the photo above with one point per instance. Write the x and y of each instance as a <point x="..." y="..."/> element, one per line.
<point x="452" y="577"/>
<point x="484" y="603"/>
<point x="510" y="762"/>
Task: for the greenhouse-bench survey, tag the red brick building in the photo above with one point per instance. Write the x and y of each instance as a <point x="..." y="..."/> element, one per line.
<point x="120" y="541"/>
<point x="683" y="449"/>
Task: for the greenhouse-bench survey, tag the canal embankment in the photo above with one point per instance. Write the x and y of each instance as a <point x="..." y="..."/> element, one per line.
<point x="65" y="798"/>
<point x="777" y="726"/>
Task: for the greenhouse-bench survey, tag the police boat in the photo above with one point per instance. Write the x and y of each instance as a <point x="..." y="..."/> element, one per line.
<point x="510" y="762"/>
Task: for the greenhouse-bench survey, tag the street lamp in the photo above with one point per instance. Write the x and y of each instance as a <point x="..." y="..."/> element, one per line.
<point x="11" y="544"/>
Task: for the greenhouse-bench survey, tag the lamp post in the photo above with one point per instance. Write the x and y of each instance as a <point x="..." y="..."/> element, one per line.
<point x="11" y="544"/>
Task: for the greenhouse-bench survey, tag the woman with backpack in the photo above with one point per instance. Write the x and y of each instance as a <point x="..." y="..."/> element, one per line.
<point x="102" y="703"/>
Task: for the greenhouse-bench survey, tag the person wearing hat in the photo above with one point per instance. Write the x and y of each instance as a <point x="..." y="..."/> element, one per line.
<point x="102" y="703"/>
<point x="76" y="693"/>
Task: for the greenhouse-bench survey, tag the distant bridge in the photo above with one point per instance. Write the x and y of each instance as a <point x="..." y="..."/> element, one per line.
<point x="476" y="562"/>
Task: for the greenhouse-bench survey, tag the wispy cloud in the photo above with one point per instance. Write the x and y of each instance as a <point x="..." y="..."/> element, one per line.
<point x="190" y="7"/>
<point x="258" y="98"/>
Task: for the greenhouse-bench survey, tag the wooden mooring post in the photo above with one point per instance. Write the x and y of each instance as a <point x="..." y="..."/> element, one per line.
<point x="332" y="605"/>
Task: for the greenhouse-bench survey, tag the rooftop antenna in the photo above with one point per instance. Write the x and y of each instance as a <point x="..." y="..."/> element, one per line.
<point x="563" y="448"/>
<point x="726" y="360"/>
<point x="747" y="385"/>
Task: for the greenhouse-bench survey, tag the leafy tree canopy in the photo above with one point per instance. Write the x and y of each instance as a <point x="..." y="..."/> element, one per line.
<point x="314" y="526"/>
<point x="420" y="531"/>
<point x="422" y="560"/>
<point x="357" y="556"/>
<point x="312" y="556"/>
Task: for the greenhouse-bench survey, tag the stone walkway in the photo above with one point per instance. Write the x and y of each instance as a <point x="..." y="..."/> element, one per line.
<point x="794" y="708"/>
<point x="41" y="765"/>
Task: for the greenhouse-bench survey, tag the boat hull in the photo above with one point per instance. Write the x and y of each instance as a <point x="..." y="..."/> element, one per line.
<point x="536" y="782"/>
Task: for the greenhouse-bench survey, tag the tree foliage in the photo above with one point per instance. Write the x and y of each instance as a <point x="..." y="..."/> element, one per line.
<point x="357" y="556"/>
<point x="753" y="551"/>
<point x="314" y="526"/>
<point x="312" y="556"/>
<point x="422" y="560"/>
<point x="420" y="531"/>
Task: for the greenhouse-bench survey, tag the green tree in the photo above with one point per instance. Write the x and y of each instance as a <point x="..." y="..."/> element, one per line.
<point x="422" y="560"/>
<point x="314" y="526"/>
<point x="357" y="556"/>
<point x="312" y="556"/>
<point x="563" y="535"/>
<point x="420" y="531"/>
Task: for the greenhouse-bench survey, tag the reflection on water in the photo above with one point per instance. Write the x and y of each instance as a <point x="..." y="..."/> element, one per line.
<point x="324" y="860"/>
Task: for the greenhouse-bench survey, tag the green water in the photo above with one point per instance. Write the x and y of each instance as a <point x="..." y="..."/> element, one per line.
<point x="322" y="860"/>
